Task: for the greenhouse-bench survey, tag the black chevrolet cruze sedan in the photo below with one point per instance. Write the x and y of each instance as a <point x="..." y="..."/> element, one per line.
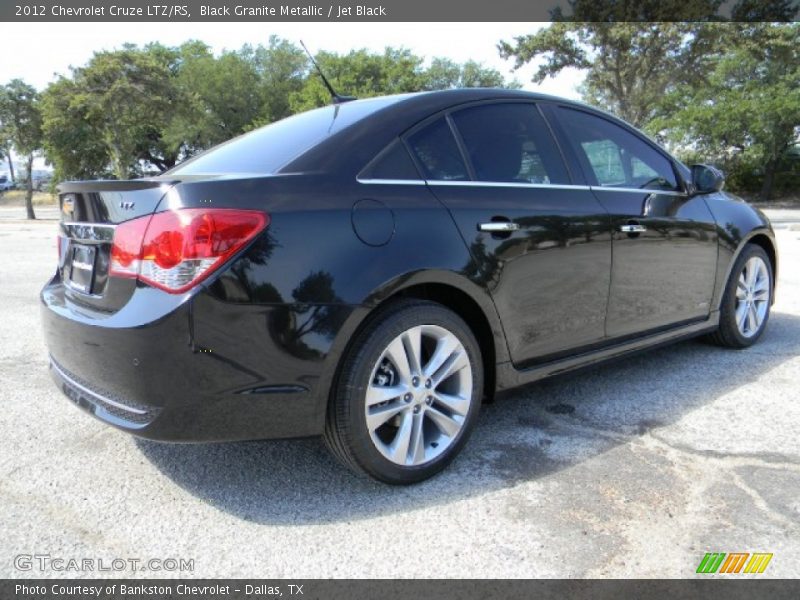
<point x="371" y="271"/>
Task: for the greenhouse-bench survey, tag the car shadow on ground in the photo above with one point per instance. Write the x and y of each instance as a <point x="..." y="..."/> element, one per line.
<point x="536" y="431"/>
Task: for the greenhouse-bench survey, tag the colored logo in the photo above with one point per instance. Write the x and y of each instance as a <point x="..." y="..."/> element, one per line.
<point x="734" y="562"/>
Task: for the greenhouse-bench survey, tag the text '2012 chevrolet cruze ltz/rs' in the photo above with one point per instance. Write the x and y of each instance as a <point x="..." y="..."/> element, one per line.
<point x="373" y="270"/>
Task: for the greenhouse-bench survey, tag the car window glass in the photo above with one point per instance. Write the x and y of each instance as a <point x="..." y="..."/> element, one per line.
<point x="267" y="149"/>
<point x="437" y="152"/>
<point x="510" y="142"/>
<point x="393" y="163"/>
<point x="616" y="157"/>
<point x="606" y="161"/>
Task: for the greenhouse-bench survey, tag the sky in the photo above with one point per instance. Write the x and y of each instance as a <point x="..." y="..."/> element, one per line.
<point x="36" y="52"/>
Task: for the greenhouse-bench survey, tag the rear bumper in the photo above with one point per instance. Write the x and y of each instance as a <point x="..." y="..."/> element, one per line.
<point x="145" y="371"/>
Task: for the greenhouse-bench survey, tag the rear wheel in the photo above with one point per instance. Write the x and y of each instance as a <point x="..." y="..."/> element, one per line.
<point x="746" y="304"/>
<point x="408" y="393"/>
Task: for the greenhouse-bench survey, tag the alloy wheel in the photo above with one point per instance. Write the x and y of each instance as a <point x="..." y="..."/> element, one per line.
<point x="752" y="296"/>
<point x="419" y="395"/>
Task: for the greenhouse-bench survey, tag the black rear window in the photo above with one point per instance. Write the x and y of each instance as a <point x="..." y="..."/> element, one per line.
<point x="393" y="163"/>
<point x="437" y="152"/>
<point x="266" y="150"/>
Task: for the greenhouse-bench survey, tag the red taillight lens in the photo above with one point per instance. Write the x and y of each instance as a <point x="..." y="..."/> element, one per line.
<point x="176" y="249"/>
<point x="127" y="248"/>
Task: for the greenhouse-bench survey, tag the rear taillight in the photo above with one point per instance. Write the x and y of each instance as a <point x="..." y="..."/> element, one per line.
<point x="177" y="249"/>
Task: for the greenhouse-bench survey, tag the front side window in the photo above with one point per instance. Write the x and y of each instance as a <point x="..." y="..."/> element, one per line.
<point x="615" y="157"/>
<point x="437" y="152"/>
<point x="510" y="142"/>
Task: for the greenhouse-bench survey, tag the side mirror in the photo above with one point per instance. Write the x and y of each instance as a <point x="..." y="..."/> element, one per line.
<point x="707" y="179"/>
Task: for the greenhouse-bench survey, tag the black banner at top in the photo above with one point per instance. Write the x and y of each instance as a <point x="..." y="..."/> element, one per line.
<point x="397" y="10"/>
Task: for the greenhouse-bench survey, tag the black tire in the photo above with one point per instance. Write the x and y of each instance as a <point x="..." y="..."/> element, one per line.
<point x="346" y="430"/>
<point x="728" y="334"/>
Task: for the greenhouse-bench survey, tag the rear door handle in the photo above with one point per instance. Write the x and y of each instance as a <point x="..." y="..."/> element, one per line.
<point x="632" y="228"/>
<point x="498" y="226"/>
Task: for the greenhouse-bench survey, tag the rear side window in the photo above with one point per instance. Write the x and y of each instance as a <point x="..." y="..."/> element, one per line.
<point x="615" y="157"/>
<point x="393" y="163"/>
<point x="510" y="143"/>
<point x="266" y="150"/>
<point x="437" y="152"/>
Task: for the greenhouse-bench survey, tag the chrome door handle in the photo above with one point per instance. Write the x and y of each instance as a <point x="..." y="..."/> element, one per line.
<point x="632" y="228"/>
<point x="498" y="226"/>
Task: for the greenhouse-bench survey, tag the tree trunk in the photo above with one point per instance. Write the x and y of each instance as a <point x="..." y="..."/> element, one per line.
<point x="119" y="169"/>
<point x="769" y="179"/>
<point x="29" y="195"/>
<point x="10" y="165"/>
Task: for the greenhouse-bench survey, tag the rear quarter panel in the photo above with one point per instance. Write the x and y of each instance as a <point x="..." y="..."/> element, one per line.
<point x="285" y="310"/>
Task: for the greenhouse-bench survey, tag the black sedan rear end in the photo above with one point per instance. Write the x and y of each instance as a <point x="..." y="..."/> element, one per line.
<point x="164" y="317"/>
<point x="120" y="316"/>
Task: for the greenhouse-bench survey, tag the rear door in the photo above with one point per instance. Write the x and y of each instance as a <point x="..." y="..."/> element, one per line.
<point x="665" y="245"/>
<point x="539" y="243"/>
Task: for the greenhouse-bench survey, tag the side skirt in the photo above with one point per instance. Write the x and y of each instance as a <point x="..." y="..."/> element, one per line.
<point x="508" y="376"/>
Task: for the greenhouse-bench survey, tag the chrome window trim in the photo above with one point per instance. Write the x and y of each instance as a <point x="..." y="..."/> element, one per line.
<point x="512" y="184"/>
<point x="391" y="181"/>
<point x="509" y="184"/>
<point x="637" y="190"/>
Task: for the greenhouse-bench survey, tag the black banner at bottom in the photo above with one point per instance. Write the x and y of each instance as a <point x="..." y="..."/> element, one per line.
<point x="729" y="588"/>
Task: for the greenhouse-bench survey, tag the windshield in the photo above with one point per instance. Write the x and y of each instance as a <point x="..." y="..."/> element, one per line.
<point x="266" y="150"/>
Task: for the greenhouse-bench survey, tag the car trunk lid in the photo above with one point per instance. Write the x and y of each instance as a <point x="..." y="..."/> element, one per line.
<point x="90" y="212"/>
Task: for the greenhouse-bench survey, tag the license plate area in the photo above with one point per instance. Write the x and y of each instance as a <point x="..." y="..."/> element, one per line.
<point x="82" y="268"/>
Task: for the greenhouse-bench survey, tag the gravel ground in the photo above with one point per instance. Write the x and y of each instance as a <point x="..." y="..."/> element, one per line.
<point x="634" y="469"/>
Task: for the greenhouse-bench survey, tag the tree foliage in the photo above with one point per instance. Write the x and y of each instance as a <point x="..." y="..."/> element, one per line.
<point x="630" y="67"/>
<point x="747" y="115"/>
<point x="140" y="109"/>
<point x="364" y="74"/>
<point x="21" y="125"/>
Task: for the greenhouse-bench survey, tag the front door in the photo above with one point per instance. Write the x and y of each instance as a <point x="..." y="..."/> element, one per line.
<point x="665" y="245"/>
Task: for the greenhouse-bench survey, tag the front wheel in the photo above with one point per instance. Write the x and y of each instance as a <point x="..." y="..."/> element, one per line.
<point x="746" y="304"/>
<point x="408" y="393"/>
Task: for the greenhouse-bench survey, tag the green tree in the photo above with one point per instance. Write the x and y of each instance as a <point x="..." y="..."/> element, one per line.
<point x="444" y="73"/>
<point x="748" y="113"/>
<point x="218" y="98"/>
<point x="21" y="118"/>
<point x="360" y="73"/>
<point x="282" y="68"/>
<point x="123" y="98"/>
<point x="71" y="142"/>
<point x="365" y="74"/>
<point x="5" y="152"/>
<point x="630" y="67"/>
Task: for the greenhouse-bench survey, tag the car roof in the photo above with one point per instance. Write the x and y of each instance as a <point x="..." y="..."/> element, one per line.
<point x="369" y="135"/>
